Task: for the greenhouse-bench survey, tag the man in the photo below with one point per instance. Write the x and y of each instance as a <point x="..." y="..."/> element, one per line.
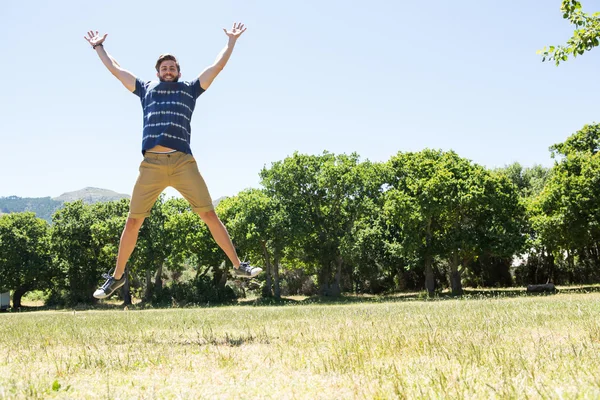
<point x="168" y="161"/>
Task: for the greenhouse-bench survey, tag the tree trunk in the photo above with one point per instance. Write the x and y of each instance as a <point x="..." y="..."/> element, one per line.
<point x="125" y="291"/>
<point x="429" y="278"/>
<point x="551" y="268"/>
<point x="223" y="280"/>
<point x="158" y="283"/>
<point x="267" y="292"/>
<point x="336" y="288"/>
<point x="148" y="293"/>
<point x="323" y="277"/>
<point x="455" y="276"/>
<point x="219" y="276"/>
<point x="18" y="295"/>
<point x="276" y="288"/>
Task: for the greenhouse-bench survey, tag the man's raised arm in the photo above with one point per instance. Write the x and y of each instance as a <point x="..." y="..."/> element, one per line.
<point x="209" y="74"/>
<point x="97" y="43"/>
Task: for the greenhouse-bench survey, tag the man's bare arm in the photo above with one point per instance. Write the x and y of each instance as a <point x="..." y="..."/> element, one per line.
<point x="209" y="74"/>
<point x="126" y="77"/>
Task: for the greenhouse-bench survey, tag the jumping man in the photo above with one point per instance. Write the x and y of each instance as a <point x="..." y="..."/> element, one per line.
<point x="168" y="106"/>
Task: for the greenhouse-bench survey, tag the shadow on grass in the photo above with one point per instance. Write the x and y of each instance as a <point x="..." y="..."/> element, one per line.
<point x="227" y="340"/>
<point x="111" y="305"/>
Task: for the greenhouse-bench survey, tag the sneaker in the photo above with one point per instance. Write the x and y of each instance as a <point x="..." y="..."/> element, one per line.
<point x="246" y="270"/>
<point x="109" y="286"/>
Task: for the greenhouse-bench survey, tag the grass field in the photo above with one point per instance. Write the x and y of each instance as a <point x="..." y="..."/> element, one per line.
<point x="487" y="347"/>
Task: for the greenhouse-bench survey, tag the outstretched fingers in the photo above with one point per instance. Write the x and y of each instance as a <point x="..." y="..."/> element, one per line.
<point x="93" y="37"/>
<point x="237" y="29"/>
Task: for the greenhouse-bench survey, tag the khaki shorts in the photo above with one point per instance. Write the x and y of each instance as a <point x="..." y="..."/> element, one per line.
<point x="178" y="170"/>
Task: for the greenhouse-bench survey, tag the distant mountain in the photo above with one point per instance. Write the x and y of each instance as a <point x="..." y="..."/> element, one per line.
<point x="44" y="207"/>
<point x="91" y="195"/>
<point x="217" y="201"/>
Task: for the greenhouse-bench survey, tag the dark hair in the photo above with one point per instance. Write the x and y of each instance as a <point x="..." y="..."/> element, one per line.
<point x="166" y="57"/>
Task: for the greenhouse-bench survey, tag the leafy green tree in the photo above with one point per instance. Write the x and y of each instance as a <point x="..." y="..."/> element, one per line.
<point x="368" y="247"/>
<point x="418" y="195"/>
<point x="109" y="220"/>
<point x="319" y="194"/>
<point x="585" y="37"/>
<point x="153" y="248"/>
<point x="564" y="216"/>
<point x="76" y="252"/>
<point x="584" y="141"/>
<point x="252" y="219"/>
<point x="528" y="181"/>
<point x="84" y="243"/>
<point x="446" y="208"/>
<point x="25" y="262"/>
<point x="190" y="239"/>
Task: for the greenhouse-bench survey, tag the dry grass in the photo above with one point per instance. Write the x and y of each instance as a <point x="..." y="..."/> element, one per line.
<point x="520" y="347"/>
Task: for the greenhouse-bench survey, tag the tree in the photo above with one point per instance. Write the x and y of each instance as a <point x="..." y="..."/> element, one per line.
<point x="565" y="216"/>
<point x="414" y="205"/>
<point x="449" y="209"/>
<point x="319" y="194"/>
<point x="530" y="181"/>
<point x="153" y="248"/>
<point x="109" y="220"/>
<point x="190" y="239"/>
<point x="584" y="141"/>
<point x="25" y="262"/>
<point x="585" y="37"/>
<point x="367" y="248"/>
<point x="259" y="230"/>
<point x="79" y="255"/>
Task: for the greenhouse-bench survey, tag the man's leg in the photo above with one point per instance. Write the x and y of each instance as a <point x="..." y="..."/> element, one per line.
<point x="189" y="182"/>
<point x="127" y="244"/>
<point x="151" y="181"/>
<point x="221" y="236"/>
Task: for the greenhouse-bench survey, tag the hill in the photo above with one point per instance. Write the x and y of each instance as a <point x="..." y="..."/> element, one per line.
<point x="44" y="207"/>
<point x="91" y="195"/>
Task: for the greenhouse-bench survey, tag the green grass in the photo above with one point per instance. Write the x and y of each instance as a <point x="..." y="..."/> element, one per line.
<point x="484" y="347"/>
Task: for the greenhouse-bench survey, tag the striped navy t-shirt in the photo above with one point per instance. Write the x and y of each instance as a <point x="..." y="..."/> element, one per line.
<point x="168" y="108"/>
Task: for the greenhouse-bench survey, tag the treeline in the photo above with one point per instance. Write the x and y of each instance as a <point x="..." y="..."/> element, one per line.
<point x="327" y="224"/>
<point x="43" y="207"/>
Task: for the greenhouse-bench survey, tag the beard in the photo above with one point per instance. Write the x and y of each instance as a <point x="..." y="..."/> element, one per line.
<point x="173" y="78"/>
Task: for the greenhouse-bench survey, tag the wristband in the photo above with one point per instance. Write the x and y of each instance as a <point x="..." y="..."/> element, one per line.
<point x="96" y="45"/>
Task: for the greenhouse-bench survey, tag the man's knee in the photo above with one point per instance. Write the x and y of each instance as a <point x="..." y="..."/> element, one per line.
<point x="208" y="216"/>
<point x="133" y="224"/>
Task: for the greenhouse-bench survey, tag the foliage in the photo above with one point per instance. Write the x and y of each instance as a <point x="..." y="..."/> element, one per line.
<point x="25" y="262"/>
<point x="585" y="37"/>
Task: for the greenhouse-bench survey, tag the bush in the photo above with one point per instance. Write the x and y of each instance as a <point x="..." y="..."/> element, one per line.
<point x="201" y="290"/>
<point x="57" y="298"/>
<point x="297" y="282"/>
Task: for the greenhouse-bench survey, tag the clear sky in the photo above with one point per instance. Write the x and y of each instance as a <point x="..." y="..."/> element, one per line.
<point x="374" y="77"/>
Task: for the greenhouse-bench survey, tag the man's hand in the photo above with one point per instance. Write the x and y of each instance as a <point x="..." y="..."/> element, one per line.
<point x="235" y="32"/>
<point x="126" y="77"/>
<point x="94" y="39"/>
<point x="209" y="74"/>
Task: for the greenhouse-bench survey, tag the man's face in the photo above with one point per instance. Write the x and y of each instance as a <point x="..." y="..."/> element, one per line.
<point x="167" y="72"/>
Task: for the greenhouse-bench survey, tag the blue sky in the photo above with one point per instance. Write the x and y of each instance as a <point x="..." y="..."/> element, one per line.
<point x="373" y="77"/>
